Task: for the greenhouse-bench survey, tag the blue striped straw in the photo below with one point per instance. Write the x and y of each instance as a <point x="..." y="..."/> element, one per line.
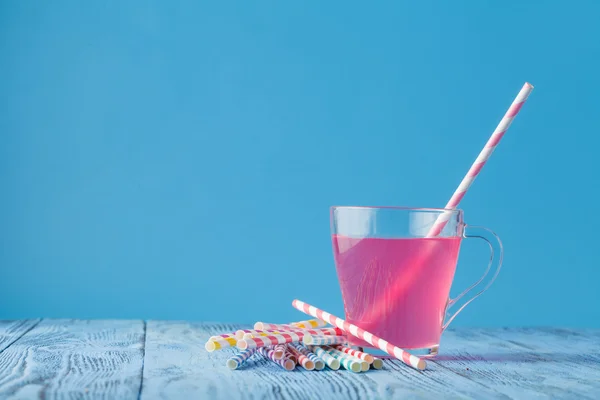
<point x="319" y="364"/>
<point x="325" y="340"/>
<point x="239" y="359"/>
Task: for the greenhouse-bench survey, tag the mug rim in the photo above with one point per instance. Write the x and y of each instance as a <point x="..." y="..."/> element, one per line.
<point x="400" y="208"/>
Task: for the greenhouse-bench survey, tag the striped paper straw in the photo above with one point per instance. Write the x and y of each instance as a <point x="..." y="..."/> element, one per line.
<point x="303" y="360"/>
<point x="330" y="360"/>
<point x="324" y="340"/>
<point x="264" y="341"/>
<point x="290" y="355"/>
<point x="358" y="354"/>
<point x="249" y="333"/>
<point x="311" y="323"/>
<point x="355" y="331"/>
<point x="403" y="281"/>
<point x="377" y="363"/>
<point x="219" y="344"/>
<point x="482" y="158"/>
<point x="316" y="332"/>
<point x="346" y="360"/>
<point x="238" y="360"/>
<point x="284" y="363"/>
<point x="319" y="364"/>
<point x="239" y="334"/>
<point x="223" y="336"/>
<point x="279" y="351"/>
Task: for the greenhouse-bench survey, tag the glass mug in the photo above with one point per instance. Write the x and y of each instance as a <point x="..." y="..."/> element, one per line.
<point x="395" y="280"/>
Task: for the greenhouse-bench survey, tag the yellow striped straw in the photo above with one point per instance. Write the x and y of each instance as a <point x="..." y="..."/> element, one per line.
<point x="219" y="344"/>
<point x="311" y="323"/>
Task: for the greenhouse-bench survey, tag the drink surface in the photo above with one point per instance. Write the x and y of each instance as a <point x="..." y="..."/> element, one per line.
<point x="410" y="278"/>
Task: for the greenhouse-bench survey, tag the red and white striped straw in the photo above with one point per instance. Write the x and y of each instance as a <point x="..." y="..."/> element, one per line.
<point x="355" y="331"/>
<point x="358" y="354"/>
<point x="264" y="341"/>
<point x="482" y="158"/>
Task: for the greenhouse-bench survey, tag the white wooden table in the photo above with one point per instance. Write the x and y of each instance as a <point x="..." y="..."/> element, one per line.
<point x="166" y="359"/>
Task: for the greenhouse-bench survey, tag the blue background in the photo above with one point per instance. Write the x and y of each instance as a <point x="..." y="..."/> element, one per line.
<point x="177" y="160"/>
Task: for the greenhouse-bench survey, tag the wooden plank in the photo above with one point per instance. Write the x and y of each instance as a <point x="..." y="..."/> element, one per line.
<point x="176" y="365"/>
<point x="524" y="363"/>
<point x="72" y="358"/>
<point x="11" y="331"/>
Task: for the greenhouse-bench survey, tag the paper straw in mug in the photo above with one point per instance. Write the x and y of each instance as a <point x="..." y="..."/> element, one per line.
<point x="219" y="344"/>
<point x="303" y="360"/>
<point x="368" y="337"/>
<point x="283" y="363"/>
<point x="238" y="360"/>
<point x="324" y="340"/>
<point x="319" y="364"/>
<point x="346" y="360"/>
<point x="264" y="341"/>
<point x="481" y="159"/>
<point x="358" y="354"/>
<point x="330" y="360"/>
<point x="399" y="285"/>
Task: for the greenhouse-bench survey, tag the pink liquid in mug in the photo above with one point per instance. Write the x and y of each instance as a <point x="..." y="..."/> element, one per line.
<point x="406" y="282"/>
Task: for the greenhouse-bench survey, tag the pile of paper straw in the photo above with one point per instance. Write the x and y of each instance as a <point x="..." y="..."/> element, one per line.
<point x="309" y="345"/>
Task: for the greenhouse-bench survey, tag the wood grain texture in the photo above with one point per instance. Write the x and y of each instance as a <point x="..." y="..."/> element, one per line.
<point x="526" y="363"/>
<point x="11" y="331"/>
<point x="74" y="359"/>
<point x="176" y="365"/>
<point x="107" y="359"/>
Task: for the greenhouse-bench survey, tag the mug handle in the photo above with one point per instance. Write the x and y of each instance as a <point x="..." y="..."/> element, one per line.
<point x="495" y="260"/>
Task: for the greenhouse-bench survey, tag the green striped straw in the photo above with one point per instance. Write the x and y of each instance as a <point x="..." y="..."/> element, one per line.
<point x="330" y="360"/>
<point x="347" y="361"/>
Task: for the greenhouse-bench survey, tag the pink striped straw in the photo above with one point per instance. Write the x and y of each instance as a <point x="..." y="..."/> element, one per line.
<point x="303" y="360"/>
<point x="481" y="159"/>
<point x="264" y="341"/>
<point x="358" y="354"/>
<point x="355" y="331"/>
<point x="399" y="285"/>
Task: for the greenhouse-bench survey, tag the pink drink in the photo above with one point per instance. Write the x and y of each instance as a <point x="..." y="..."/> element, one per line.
<point x="408" y="279"/>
